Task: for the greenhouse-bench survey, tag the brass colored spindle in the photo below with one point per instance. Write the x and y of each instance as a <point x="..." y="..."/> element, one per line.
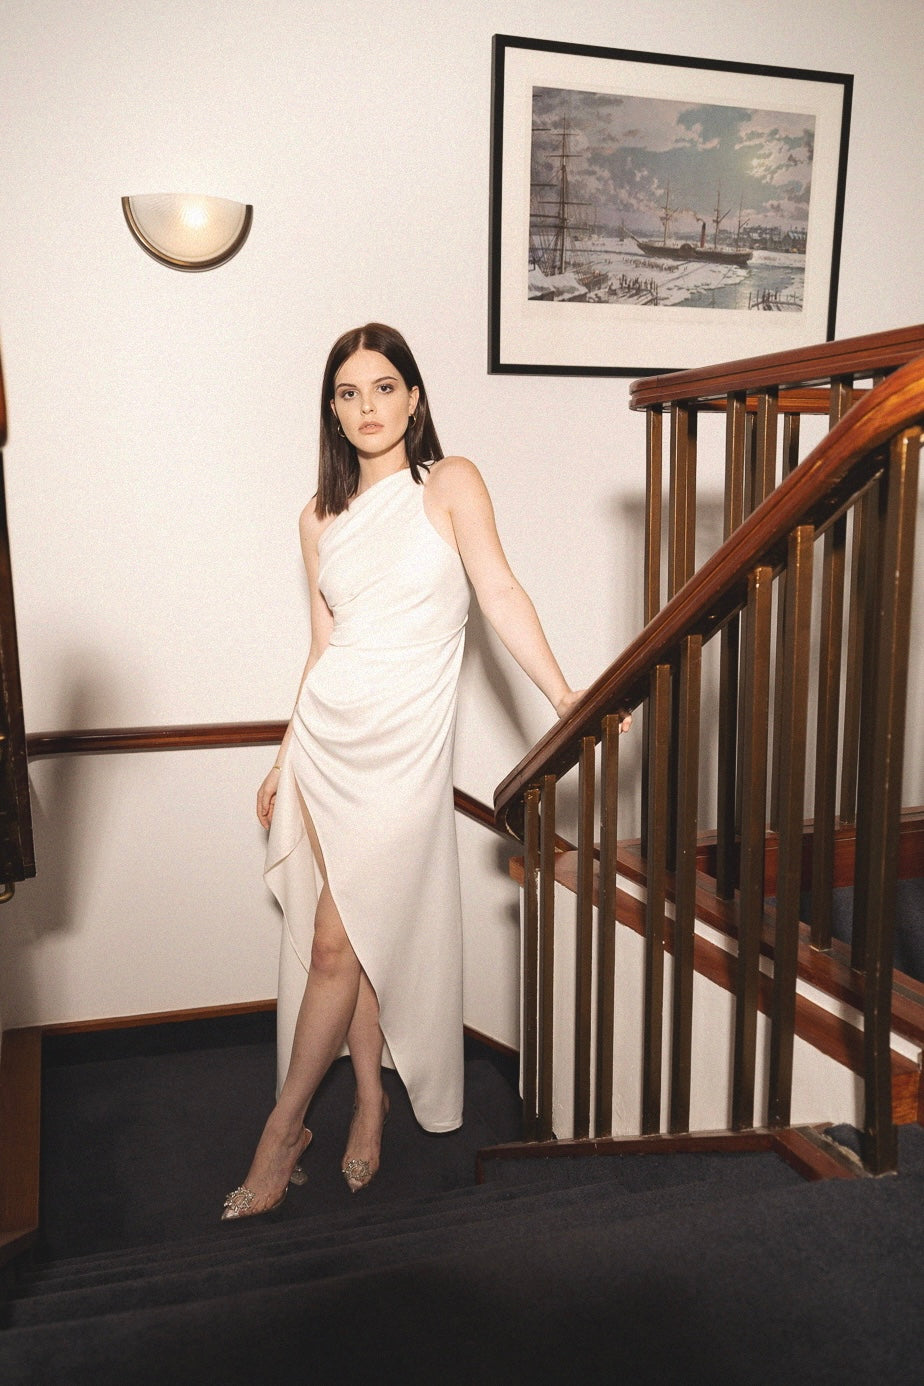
<point x="546" y="1058"/>
<point x="584" y="940"/>
<point x="682" y="523"/>
<point x="736" y="434"/>
<point x="736" y="441"/>
<point x="753" y="839"/>
<point x="827" y="724"/>
<point x="689" y="686"/>
<point x="875" y="501"/>
<point x="658" y="777"/>
<point x="878" y="829"/>
<point x="859" y="631"/>
<point x="790" y="461"/>
<point x="765" y="431"/>
<point x="606" y="924"/>
<point x="531" y="965"/>
<point x="653" y="504"/>
<point x="726" y="864"/>
<point x="654" y="422"/>
<point x="794" y="656"/>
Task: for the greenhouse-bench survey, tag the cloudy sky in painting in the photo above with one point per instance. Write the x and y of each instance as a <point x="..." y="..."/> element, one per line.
<point x="626" y="151"/>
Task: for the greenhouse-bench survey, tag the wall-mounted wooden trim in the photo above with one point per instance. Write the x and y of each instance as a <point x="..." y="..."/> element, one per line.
<point x="199" y="737"/>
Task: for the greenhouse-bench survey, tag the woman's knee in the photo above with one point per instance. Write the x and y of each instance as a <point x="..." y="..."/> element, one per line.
<point x="331" y="950"/>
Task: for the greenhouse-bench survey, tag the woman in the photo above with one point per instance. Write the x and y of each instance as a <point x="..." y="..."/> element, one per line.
<point x="362" y="851"/>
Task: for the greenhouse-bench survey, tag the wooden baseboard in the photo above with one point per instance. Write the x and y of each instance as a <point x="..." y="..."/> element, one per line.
<point x="128" y="1022"/>
<point x="20" y="1132"/>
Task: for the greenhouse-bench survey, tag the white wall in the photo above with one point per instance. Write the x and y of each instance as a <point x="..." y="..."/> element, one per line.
<point x="162" y="425"/>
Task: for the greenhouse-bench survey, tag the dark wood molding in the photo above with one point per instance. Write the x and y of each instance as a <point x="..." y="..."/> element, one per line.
<point x="195" y="737"/>
<point x="20" y="1131"/>
<point x="129" y="1022"/>
<point x="810" y="1154"/>
<point x="201" y="736"/>
<point x="860" y="357"/>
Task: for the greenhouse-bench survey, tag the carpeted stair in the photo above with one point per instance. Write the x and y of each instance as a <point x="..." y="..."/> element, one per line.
<point x="712" y="1268"/>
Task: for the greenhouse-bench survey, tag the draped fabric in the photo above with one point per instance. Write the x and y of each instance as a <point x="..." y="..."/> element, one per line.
<point x="371" y="760"/>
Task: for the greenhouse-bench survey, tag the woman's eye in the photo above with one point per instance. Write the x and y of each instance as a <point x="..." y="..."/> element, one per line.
<point x="346" y="394"/>
<point x="386" y="389"/>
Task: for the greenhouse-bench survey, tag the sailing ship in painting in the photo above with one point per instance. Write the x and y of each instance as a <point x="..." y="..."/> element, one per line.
<point x="711" y="254"/>
<point x="573" y="259"/>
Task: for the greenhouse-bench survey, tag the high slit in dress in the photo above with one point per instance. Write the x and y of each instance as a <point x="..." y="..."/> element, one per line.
<point x="371" y="757"/>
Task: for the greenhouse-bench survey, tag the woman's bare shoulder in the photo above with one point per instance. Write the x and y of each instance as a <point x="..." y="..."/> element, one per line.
<point x="455" y="477"/>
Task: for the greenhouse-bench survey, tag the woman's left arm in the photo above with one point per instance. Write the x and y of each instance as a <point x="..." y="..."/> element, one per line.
<point x="459" y="492"/>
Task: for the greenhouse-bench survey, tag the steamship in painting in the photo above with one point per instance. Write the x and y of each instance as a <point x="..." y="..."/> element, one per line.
<point x="712" y="254"/>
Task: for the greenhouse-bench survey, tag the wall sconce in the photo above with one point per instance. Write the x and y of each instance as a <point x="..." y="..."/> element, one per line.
<point x="186" y="231"/>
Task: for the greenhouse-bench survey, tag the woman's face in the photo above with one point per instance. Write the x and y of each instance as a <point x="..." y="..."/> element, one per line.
<point x="372" y="403"/>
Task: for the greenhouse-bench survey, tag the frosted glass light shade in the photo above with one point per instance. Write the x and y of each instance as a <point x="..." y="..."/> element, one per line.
<point x="188" y="231"/>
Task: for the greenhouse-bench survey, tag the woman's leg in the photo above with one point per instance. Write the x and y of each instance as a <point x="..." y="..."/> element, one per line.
<point x="365" y="1040"/>
<point x="324" y="1018"/>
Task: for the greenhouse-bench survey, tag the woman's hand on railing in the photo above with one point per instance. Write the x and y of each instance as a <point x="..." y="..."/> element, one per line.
<point x="570" y="700"/>
<point x="266" y="797"/>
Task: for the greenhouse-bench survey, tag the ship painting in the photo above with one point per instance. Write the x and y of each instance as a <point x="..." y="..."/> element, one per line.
<point x="711" y="254"/>
<point x="605" y="170"/>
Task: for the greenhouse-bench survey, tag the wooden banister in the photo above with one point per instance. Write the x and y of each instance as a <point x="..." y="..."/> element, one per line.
<point x="852" y="502"/>
<point x="817" y="490"/>
<point x="861" y="357"/>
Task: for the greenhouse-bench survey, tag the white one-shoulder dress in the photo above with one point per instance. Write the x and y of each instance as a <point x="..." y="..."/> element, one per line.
<point x="371" y="756"/>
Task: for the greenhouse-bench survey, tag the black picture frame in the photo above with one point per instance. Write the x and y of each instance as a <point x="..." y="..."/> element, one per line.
<point x="609" y="129"/>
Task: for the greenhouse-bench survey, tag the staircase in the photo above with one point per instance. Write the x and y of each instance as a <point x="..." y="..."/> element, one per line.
<point x="644" y="1268"/>
<point x="725" y="1265"/>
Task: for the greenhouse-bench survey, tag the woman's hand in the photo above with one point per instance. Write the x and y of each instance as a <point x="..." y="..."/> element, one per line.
<point x="569" y="701"/>
<point x="266" y="797"/>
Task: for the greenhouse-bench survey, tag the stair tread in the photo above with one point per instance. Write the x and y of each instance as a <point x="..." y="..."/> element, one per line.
<point x="307" y="1253"/>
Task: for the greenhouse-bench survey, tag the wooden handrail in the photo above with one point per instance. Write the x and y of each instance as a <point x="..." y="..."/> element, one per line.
<point x="816" y="491"/>
<point x="857" y="356"/>
<point x="198" y="737"/>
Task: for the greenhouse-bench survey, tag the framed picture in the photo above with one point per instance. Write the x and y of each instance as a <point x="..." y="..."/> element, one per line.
<point x="652" y="213"/>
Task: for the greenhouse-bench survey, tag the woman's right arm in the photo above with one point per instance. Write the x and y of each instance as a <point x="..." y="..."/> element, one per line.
<point x="310" y="529"/>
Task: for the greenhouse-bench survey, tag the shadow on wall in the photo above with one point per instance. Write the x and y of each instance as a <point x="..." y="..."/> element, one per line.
<point x="64" y="815"/>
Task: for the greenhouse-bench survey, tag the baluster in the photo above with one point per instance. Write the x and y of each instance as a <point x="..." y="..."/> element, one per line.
<point x="753" y="841"/>
<point x="682" y="522"/>
<point x="790" y="462"/>
<point x="654" y="422"/>
<point x="736" y="434"/>
<point x="546" y="956"/>
<point x="874" y="523"/>
<point x="606" y="923"/>
<point x="878" y="829"/>
<point x="826" y="732"/>
<point x="793" y="655"/>
<point x="768" y="408"/>
<point x="530" y="964"/>
<point x="658" y="823"/>
<point x="688" y="704"/>
<point x="584" y="939"/>
<point x="859" y="632"/>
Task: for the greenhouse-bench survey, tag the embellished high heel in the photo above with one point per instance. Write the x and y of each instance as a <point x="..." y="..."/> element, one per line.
<point x="239" y="1202"/>
<point x="359" y="1173"/>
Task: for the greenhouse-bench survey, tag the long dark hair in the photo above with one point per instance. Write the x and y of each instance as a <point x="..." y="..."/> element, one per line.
<point x="338" y="471"/>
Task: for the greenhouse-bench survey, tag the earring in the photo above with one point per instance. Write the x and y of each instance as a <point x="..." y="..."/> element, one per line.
<point x="412" y="418"/>
<point x="339" y="429"/>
